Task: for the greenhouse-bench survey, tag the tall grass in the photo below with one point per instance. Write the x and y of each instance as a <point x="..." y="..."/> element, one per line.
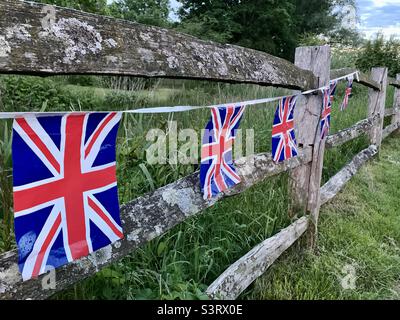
<point x="359" y="228"/>
<point x="6" y="225"/>
<point x="181" y="263"/>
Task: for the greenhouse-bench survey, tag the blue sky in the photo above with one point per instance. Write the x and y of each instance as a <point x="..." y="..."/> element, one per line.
<point x="379" y="15"/>
<point x="175" y="5"/>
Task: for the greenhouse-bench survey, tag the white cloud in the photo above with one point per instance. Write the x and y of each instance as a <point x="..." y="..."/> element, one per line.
<point x="387" y="31"/>
<point x="383" y="3"/>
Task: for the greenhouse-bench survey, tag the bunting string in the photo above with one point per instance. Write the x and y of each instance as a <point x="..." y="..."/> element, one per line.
<point x="13" y="115"/>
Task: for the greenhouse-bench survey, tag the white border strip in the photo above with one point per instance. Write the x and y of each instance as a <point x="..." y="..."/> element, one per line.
<point x="13" y="115"/>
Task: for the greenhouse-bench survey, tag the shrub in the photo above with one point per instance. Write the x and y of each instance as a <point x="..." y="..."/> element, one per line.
<point x="117" y="100"/>
<point x="22" y="93"/>
<point x="25" y="93"/>
<point x="84" y="81"/>
<point x="379" y="52"/>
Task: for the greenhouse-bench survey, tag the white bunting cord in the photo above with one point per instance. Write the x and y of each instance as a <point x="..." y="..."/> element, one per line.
<point x="13" y="115"/>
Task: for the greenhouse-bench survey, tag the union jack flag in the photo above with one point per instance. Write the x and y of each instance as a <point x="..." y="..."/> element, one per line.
<point x="65" y="188"/>
<point x="347" y="94"/>
<point x="284" y="144"/>
<point x="333" y="87"/>
<point x="217" y="172"/>
<point x="326" y="113"/>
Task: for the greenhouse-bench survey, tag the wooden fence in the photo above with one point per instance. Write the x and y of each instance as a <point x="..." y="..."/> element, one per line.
<point x="46" y="40"/>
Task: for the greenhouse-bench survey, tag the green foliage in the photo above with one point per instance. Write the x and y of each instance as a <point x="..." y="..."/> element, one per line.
<point x="31" y="93"/>
<point x="209" y="28"/>
<point x="124" y="100"/>
<point x="380" y="52"/>
<point x="152" y="12"/>
<point x="84" y="81"/>
<point x="344" y="58"/>
<point x="24" y="93"/>
<point x="310" y="39"/>
<point x="271" y="26"/>
<point x="93" y="6"/>
<point x="345" y="37"/>
<point x="313" y="16"/>
<point x="6" y="217"/>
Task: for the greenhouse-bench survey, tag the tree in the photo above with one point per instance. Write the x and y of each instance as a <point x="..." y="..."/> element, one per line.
<point x="93" y="6"/>
<point x="266" y="26"/>
<point x="314" y="16"/>
<point x="274" y="26"/>
<point x="380" y="52"/>
<point x="151" y="12"/>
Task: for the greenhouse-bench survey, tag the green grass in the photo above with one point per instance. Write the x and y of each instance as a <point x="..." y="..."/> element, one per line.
<point x="184" y="261"/>
<point x="158" y="96"/>
<point x="359" y="227"/>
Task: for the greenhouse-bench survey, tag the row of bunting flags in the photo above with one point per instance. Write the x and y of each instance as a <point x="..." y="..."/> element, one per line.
<point x="217" y="172"/>
<point x="64" y="174"/>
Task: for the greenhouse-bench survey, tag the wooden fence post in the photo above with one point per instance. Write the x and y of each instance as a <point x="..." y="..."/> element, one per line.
<point x="376" y="104"/>
<point x="396" y="103"/>
<point x="305" y="181"/>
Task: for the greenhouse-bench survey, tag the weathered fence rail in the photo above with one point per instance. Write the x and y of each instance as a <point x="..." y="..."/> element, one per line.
<point x="351" y="133"/>
<point x="51" y="40"/>
<point x="363" y="78"/>
<point x="243" y="272"/>
<point x="395" y="83"/>
<point x="46" y="40"/>
<point x="338" y="181"/>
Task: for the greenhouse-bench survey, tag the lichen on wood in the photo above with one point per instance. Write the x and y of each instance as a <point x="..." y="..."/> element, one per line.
<point x="390" y="112"/>
<point x="389" y="129"/>
<point x="343" y="136"/>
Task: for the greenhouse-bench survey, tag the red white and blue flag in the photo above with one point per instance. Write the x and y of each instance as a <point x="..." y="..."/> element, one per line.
<point x="333" y="87"/>
<point x="347" y="94"/>
<point x="217" y="172"/>
<point x="326" y="113"/>
<point x="284" y="144"/>
<point x="65" y="188"/>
